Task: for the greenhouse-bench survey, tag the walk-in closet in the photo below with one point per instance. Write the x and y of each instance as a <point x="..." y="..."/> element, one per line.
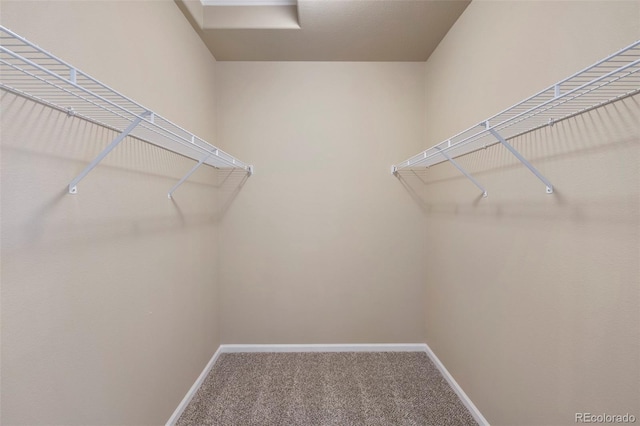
<point x="319" y="212"/>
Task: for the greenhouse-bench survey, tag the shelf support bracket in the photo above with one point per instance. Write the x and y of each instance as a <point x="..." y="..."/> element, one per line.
<point x="522" y="159"/>
<point x="192" y="171"/>
<point x="74" y="183"/>
<point x="463" y="171"/>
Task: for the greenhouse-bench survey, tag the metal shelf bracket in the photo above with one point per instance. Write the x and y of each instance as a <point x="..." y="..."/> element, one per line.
<point x="190" y="172"/>
<point x="521" y="158"/>
<point x="463" y="171"/>
<point x="73" y="189"/>
<point x="215" y="153"/>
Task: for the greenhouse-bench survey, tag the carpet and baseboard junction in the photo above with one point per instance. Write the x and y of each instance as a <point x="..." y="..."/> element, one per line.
<point x="289" y="387"/>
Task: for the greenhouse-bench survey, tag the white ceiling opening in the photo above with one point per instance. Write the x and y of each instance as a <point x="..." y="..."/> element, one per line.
<point x="322" y="30"/>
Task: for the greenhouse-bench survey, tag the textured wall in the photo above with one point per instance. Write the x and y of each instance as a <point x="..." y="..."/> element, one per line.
<point x="532" y="300"/>
<point x="322" y="245"/>
<point x="108" y="296"/>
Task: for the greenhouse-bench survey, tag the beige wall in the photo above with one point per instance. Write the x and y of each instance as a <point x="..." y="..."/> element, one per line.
<point x="322" y="245"/>
<point x="114" y="299"/>
<point x="532" y="300"/>
<point x="108" y="296"/>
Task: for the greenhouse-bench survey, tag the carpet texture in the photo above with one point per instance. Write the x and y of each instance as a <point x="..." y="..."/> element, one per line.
<point x="339" y="388"/>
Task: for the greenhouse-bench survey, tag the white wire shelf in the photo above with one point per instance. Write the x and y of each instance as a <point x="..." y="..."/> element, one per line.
<point x="29" y="71"/>
<point x="610" y="79"/>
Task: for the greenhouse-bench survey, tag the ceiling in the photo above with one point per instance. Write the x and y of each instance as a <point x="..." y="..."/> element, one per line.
<point x="322" y="30"/>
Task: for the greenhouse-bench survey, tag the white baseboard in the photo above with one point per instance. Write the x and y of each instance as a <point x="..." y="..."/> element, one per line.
<point x="375" y="347"/>
<point x="477" y="415"/>
<point x="194" y="388"/>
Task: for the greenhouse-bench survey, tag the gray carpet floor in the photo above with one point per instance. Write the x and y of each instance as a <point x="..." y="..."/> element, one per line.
<point x="340" y="388"/>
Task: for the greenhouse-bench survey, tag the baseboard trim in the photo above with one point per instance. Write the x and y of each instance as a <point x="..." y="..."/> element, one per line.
<point x="194" y="388"/>
<point x="365" y="347"/>
<point x="374" y="347"/>
<point x="477" y="415"/>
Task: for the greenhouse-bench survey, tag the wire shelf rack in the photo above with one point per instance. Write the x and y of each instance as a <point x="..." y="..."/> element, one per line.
<point x="610" y="79"/>
<point x="29" y="71"/>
